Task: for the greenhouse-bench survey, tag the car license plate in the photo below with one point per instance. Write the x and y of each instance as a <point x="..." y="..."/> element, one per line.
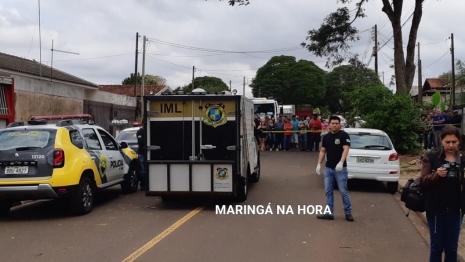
<point x="16" y="170"/>
<point x="365" y="160"/>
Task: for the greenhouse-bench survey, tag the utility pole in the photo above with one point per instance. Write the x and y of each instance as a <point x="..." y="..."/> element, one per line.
<point x="420" y="80"/>
<point x="452" y="95"/>
<point x="193" y="70"/>
<point x="230" y="86"/>
<point x="142" y="106"/>
<point x="135" y="70"/>
<point x="40" y="47"/>
<point x="383" y="77"/>
<point x="375" y="53"/>
<point x="243" y="88"/>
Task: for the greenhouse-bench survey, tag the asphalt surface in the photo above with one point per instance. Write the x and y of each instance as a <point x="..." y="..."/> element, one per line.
<point x="120" y="225"/>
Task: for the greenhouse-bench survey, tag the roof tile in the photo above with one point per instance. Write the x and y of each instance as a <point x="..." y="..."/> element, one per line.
<point x="436" y="83"/>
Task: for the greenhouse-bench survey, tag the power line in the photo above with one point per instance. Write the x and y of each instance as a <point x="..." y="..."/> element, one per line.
<point x="435" y="42"/>
<point x="221" y="51"/>
<point x="32" y="38"/>
<point x="436" y="60"/>
<point x="186" y="55"/>
<point x="169" y="62"/>
<point x="91" y="58"/>
<point x="206" y="70"/>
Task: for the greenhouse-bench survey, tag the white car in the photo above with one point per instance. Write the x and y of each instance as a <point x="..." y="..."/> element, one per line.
<point x="372" y="156"/>
<point x="128" y="135"/>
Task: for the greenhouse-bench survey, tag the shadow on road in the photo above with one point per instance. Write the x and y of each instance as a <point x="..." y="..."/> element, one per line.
<point x="56" y="209"/>
<point x="371" y="186"/>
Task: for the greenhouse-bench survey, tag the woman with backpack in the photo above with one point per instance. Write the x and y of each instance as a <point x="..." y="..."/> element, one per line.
<point x="442" y="179"/>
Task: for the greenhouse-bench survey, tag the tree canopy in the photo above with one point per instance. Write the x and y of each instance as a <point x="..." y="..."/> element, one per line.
<point x="290" y="81"/>
<point x="149" y="80"/>
<point x="333" y="37"/>
<point x="344" y="79"/>
<point x="395" y="114"/>
<point x="208" y="83"/>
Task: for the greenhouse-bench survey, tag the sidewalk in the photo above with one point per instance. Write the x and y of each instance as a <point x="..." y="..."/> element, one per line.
<point x="425" y="233"/>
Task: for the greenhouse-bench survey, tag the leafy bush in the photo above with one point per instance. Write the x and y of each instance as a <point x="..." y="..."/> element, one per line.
<point x="395" y="114"/>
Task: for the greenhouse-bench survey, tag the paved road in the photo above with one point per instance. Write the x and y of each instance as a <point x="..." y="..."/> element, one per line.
<point x="122" y="224"/>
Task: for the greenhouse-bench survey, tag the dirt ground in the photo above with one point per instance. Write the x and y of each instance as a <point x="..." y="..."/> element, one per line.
<point x="410" y="166"/>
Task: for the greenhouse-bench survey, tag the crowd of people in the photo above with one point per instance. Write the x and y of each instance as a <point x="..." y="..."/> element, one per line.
<point x="433" y="123"/>
<point x="289" y="133"/>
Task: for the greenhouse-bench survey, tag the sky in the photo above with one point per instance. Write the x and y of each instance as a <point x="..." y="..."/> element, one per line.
<point x="217" y="39"/>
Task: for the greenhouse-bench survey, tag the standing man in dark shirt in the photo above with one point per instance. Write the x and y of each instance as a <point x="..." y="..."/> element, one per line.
<point x="141" y="151"/>
<point x="456" y="120"/>
<point x="336" y="146"/>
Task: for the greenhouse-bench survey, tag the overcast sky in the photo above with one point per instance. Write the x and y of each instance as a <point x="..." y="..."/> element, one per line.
<point x="103" y="32"/>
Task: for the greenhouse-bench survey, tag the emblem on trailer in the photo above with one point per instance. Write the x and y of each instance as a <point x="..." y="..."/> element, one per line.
<point x="222" y="173"/>
<point x="215" y="115"/>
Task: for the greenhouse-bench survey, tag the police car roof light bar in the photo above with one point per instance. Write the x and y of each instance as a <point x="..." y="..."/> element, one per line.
<point x="34" y="122"/>
<point x="14" y="124"/>
<point x="63" y="117"/>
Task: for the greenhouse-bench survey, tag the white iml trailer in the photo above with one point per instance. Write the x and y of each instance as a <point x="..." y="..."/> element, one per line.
<point x="200" y="144"/>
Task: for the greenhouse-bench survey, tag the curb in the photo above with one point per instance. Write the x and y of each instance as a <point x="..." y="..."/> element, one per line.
<point x="421" y="230"/>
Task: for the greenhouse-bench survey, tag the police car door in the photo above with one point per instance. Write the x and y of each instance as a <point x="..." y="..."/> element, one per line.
<point x="115" y="167"/>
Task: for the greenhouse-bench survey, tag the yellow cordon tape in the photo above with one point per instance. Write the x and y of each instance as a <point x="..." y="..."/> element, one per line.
<point x="297" y="131"/>
<point x="162" y="235"/>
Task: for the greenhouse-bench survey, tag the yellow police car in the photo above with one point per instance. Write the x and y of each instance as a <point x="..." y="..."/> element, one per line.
<point x="68" y="160"/>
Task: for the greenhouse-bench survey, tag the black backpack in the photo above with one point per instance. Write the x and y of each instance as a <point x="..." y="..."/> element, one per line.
<point x="413" y="196"/>
<point x="412" y="193"/>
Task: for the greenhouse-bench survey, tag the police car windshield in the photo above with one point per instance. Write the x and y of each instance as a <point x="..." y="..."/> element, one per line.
<point x="370" y="142"/>
<point x="127" y="135"/>
<point x="13" y="139"/>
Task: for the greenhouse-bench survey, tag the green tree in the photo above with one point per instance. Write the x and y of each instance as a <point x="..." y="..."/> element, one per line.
<point x="337" y="31"/>
<point x="344" y="79"/>
<point x="149" y="80"/>
<point x="395" y="114"/>
<point x="289" y="81"/>
<point x="208" y="83"/>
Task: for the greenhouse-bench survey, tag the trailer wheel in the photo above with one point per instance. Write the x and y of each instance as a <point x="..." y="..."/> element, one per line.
<point x="242" y="190"/>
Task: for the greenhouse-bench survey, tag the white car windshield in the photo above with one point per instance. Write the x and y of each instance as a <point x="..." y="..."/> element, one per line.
<point x="127" y="135"/>
<point x="370" y="142"/>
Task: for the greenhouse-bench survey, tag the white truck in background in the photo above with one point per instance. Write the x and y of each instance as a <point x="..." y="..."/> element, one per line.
<point x="288" y="110"/>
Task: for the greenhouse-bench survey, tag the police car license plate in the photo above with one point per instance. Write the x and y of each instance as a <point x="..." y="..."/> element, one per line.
<point x="365" y="160"/>
<point x="16" y="170"/>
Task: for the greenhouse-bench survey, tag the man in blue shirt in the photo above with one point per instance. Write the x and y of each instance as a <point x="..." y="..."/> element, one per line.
<point x="438" y="123"/>
<point x="295" y="135"/>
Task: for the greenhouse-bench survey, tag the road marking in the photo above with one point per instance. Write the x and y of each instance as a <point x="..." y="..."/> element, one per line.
<point x="162" y="235"/>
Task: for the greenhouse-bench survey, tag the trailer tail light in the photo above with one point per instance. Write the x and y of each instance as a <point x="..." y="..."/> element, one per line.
<point x="394" y="157"/>
<point x="58" y="158"/>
